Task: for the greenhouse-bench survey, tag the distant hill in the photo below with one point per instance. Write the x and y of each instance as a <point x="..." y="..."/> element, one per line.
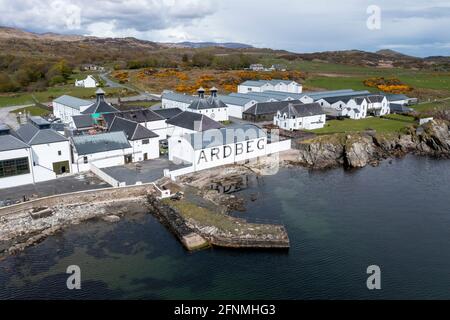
<point x="229" y="45"/>
<point x="86" y="49"/>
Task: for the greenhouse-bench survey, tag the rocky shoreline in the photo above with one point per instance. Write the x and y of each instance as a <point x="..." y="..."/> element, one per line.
<point x="358" y="150"/>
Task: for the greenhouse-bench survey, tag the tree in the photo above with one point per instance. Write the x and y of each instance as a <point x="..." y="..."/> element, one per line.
<point x="202" y="59"/>
<point x="7" y="84"/>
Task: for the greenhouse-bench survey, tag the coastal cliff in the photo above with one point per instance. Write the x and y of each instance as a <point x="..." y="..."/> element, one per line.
<point x="357" y="150"/>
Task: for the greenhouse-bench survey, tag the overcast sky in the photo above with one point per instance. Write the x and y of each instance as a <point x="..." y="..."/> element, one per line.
<point x="414" y="27"/>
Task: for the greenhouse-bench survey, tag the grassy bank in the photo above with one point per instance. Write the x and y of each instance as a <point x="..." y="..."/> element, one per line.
<point x="390" y="123"/>
<point x="52" y="93"/>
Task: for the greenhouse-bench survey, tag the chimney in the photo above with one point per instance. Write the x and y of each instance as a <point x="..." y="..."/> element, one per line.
<point x="214" y="92"/>
<point x="100" y="95"/>
<point x="201" y="93"/>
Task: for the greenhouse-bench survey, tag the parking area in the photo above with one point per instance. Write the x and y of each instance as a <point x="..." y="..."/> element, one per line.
<point x="80" y="182"/>
<point x="145" y="172"/>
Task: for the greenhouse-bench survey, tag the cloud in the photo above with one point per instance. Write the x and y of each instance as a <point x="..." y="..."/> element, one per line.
<point x="301" y="26"/>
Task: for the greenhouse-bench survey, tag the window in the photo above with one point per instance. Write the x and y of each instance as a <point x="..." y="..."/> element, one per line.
<point x="146" y="141"/>
<point x="59" y="153"/>
<point x="14" y="167"/>
<point x="85" y="160"/>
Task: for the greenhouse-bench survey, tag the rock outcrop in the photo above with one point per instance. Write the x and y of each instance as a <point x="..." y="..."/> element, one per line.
<point x="358" y="150"/>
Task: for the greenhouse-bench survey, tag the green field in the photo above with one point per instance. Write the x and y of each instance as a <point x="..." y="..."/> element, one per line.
<point x="391" y="123"/>
<point x="52" y="93"/>
<point x="432" y="106"/>
<point x="34" y="111"/>
<point x="321" y="75"/>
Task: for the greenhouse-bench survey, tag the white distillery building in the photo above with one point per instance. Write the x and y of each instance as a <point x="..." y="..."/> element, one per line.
<point x="190" y="122"/>
<point x="65" y="107"/>
<point x="171" y="100"/>
<point x="212" y="106"/>
<point x="15" y="160"/>
<point x="146" y="118"/>
<point x="237" y="105"/>
<point x="144" y="143"/>
<point x="270" y="85"/>
<point x="89" y="82"/>
<point x="50" y="151"/>
<point x="218" y="147"/>
<point x="378" y="105"/>
<point x="102" y="150"/>
<point x="301" y="117"/>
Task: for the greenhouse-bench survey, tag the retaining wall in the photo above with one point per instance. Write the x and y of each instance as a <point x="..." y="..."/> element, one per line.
<point x="79" y="197"/>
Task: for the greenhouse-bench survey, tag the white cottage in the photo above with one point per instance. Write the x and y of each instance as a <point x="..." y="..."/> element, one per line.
<point x="378" y="105"/>
<point x="89" y="82"/>
<point x="301" y="117"/>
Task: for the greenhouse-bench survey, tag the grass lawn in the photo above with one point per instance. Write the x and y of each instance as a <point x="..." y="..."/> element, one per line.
<point x="391" y="123"/>
<point x="34" y="111"/>
<point x="52" y="93"/>
<point x="432" y="106"/>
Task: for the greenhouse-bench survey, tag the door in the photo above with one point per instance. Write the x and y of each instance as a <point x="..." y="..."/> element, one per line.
<point x="145" y="156"/>
<point x="128" y="158"/>
<point x="61" y="167"/>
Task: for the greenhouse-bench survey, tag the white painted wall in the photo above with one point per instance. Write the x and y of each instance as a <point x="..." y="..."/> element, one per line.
<point x="174" y="131"/>
<point x="100" y="159"/>
<point x="303" y="123"/>
<point x="217" y="114"/>
<point x="170" y="104"/>
<point x="89" y="82"/>
<point x="44" y="155"/>
<point x="139" y="149"/>
<point x="9" y="182"/>
<point x="159" y="127"/>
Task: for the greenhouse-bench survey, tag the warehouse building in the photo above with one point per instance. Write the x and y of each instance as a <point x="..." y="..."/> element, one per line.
<point x="301" y="117"/>
<point x="266" y="111"/>
<point x="270" y="85"/>
<point x="65" y="107"/>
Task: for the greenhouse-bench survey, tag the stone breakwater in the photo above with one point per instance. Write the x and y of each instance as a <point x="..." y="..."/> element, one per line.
<point x="361" y="149"/>
<point x="20" y="228"/>
<point x="212" y="228"/>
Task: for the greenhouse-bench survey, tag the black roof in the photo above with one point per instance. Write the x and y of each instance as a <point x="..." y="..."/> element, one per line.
<point x="83" y="121"/>
<point x="168" y="113"/>
<point x="34" y="136"/>
<point x="303" y="110"/>
<point x="209" y="103"/>
<point x="194" y="121"/>
<point x="100" y="106"/>
<point x="133" y="130"/>
<point x="10" y="142"/>
<point x="139" y="116"/>
<point x="270" y="107"/>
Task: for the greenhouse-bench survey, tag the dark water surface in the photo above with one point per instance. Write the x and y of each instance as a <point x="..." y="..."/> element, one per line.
<point x="396" y="216"/>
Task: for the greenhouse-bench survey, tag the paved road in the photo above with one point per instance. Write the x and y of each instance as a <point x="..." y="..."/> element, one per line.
<point x="80" y="182"/>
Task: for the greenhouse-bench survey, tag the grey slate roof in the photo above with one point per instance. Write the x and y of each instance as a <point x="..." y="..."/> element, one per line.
<point x="179" y="97"/>
<point x="133" y="130"/>
<point x="33" y="136"/>
<point x="83" y="121"/>
<point x="104" y="142"/>
<point x="375" y="98"/>
<point x="100" y="106"/>
<point x="4" y="127"/>
<point x="219" y="137"/>
<point x="72" y="102"/>
<point x="209" y="103"/>
<point x="9" y="142"/>
<point x="260" y="83"/>
<point x="270" y="107"/>
<point x="168" y="113"/>
<point x="140" y="116"/>
<point x="57" y="126"/>
<point x="396" y="97"/>
<point x="303" y="110"/>
<point x="237" y="101"/>
<point x="194" y="121"/>
<point x="336" y="93"/>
